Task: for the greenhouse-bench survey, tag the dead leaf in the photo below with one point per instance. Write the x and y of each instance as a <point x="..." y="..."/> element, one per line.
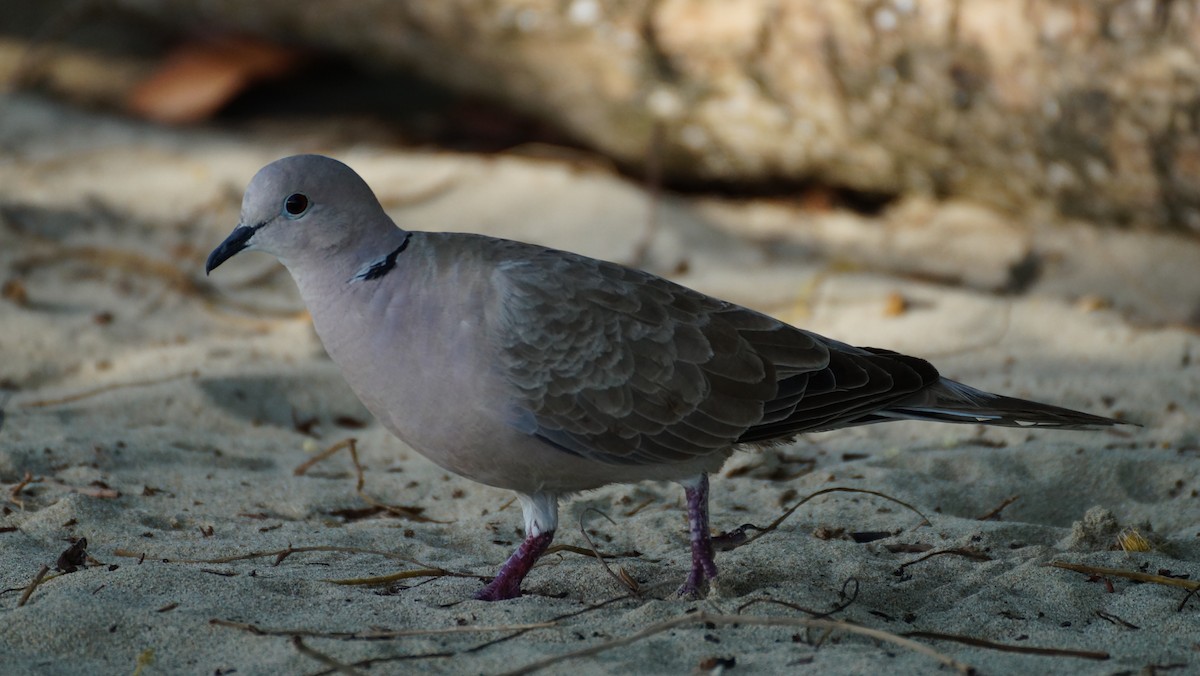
<point x="198" y="78"/>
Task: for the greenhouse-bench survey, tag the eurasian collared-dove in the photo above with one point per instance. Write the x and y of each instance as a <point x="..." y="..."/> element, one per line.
<point x="546" y="372"/>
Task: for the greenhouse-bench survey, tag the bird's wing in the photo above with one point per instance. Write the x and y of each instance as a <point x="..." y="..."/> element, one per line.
<point x="621" y="366"/>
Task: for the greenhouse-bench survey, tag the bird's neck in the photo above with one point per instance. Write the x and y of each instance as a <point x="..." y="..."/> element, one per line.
<point x="374" y="255"/>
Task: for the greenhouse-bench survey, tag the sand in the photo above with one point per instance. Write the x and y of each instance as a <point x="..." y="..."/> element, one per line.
<point x="161" y="416"/>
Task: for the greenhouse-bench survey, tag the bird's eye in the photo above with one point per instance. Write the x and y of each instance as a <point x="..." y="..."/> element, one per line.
<point x="295" y="205"/>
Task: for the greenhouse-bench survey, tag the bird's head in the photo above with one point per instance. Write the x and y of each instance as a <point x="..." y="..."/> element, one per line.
<point x="303" y="205"/>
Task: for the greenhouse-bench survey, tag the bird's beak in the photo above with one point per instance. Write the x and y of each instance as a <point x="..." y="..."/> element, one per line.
<point x="235" y="242"/>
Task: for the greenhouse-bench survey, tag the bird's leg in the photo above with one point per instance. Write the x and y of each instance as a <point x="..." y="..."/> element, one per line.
<point x="541" y="518"/>
<point x="704" y="569"/>
<point x="507" y="583"/>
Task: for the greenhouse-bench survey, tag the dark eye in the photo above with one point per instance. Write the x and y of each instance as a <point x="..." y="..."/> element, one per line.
<point x="295" y="204"/>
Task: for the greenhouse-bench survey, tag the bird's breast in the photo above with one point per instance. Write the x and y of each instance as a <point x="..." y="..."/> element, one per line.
<point x="421" y="361"/>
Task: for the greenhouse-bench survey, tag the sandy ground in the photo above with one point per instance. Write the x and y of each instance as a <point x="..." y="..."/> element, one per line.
<point x="160" y="416"/>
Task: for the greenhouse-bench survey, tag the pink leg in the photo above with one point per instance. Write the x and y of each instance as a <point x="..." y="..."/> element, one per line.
<point x="540" y="511"/>
<point x="704" y="569"/>
<point x="507" y="583"/>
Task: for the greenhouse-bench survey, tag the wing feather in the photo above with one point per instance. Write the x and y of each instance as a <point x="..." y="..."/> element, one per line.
<point x="622" y="367"/>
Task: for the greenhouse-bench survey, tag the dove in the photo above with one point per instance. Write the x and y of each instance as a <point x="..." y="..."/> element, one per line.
<point x="549" y="373"/>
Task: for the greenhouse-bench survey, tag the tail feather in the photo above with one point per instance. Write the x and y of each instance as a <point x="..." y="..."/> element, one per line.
<point x="952" y="402"/>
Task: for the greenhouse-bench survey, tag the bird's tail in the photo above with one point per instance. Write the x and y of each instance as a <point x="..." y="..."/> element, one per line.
<point x="952" y="402"/>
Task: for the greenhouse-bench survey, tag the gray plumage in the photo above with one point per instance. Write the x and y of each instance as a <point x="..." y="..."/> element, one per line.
<point x="547" y="372"/>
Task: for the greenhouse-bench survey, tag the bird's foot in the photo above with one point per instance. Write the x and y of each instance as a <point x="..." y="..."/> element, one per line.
<point x="499" y="590"/>
<point x="507" y="583"/>
<point x="704" y="571"/>
<point x="696" y="587"/>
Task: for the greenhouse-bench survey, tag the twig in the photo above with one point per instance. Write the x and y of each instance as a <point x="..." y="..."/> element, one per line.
<point x="1190" y="585"/>
<point x="1109" y="617"/>
<point x="711" y="618"/>
<point x="836" y="489"/>
<point x="321" y="657"/>
<point x="1005" y="647"/>
<point x="995" y="511"/>
<point x="640" y="506"/>
<point x="403" y="512"/>
<point x="375" y="635"/>
<point x="372" y="661"/>
<point x="351" y="444"/>
<point x="37" y="579"/>
<point x="850" y="599"/>
<point x="553" y="621"/>
<point x="324" y="455"/>
<point x="1183" y="603"/>
<point x="583" y="551"/>
<point x="107" y="388"/>
<point x="20" y="486"/>
<point x="279" y="554"/>
<point x="404" y="575"/>
<point x="90" y="491"/>
<point x="623" y="578"/>
<point x="958" y="551"/>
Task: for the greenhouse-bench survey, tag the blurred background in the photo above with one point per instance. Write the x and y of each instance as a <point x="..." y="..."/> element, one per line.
<point x="1008" y="188"/>
<point x="1089" y="108"/>
<point x="974" y="143"/>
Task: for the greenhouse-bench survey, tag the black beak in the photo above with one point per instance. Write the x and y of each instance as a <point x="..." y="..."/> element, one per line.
<point x="235" y="242"/>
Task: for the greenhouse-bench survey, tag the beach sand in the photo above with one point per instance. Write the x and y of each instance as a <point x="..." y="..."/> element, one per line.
<point x="161" y="415"/>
